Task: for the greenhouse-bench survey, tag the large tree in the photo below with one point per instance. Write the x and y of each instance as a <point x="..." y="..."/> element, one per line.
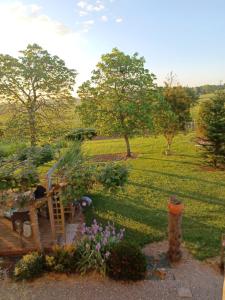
<point x="118" y="97"/>
<point x="35" y="85"/>
<point x="211" y="125"/>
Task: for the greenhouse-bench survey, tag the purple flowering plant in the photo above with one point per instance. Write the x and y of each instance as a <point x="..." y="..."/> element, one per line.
<point x="95" y="246"/>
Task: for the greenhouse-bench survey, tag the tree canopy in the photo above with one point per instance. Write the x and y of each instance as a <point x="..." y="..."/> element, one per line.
<point x="119" y="96"/>
<point x="211" y="124"/>
<point x="180" y="100"/>
<point x="36" y="85"/>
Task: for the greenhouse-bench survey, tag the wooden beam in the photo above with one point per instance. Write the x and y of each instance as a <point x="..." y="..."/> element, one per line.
<point x="35" y="227"/>
<point x="51" y="216"/>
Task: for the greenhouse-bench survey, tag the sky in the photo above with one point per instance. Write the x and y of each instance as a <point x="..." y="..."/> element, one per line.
<point x="183" y="36"/>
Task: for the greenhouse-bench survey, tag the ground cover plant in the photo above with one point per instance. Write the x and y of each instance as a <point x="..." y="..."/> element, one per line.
<point x="142" y="207"/>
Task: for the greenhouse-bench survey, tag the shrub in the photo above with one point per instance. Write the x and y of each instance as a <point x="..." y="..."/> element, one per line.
<point x="126" y="262"/>
<point x="113" y="175"/>
<point x="29" y="266"/>
<point x="62" y="260"/>
<point x="81" y="134"/>
<point x="211" y="125"/>
<point x="38" y="155"/>
<point x="26" y="176"/>
<point x="46" y="154"/>
<point x="8" y="149"/>
<point x="94" y="249"/>
<point x="80" y="180"/>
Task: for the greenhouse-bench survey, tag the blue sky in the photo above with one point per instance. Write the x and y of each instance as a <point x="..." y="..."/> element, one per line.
<point x="185" y="36"/>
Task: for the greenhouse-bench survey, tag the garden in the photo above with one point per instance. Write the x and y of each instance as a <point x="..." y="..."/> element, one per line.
<point x="89" y="195"/>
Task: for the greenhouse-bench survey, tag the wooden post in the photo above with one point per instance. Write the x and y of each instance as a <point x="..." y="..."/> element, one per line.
<point x="51" y="216"/>
<point x="222" y="255"/>
<point x="35" y="227"/>
<point x="175" y="233"/>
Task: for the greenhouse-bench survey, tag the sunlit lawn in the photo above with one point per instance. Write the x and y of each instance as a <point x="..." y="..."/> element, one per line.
<point x="142" y="207"/>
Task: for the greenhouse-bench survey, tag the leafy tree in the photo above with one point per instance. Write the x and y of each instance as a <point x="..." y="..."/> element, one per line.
<point x="166" y="122"/>
<point x="35" y="85"/>
<point x="212" y="128"/>
<point x="118" y="97"/>
<point x="180" y="100"/>
<point x="172" y="111"/>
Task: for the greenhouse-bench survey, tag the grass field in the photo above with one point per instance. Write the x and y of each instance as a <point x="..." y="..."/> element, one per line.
<point x="142" y="207"/>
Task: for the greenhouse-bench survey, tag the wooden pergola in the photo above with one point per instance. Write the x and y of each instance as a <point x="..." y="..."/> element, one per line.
<point x="46" y="232"/>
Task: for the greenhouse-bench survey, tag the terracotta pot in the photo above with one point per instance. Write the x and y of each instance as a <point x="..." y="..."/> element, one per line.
<point x="175" y="209"/>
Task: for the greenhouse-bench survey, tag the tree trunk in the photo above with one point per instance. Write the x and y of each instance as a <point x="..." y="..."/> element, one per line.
<point x="127" y="145"/>
<point x="32" y="128"/>
<point x="169" y="139"/>
<point x="168" y="150"/>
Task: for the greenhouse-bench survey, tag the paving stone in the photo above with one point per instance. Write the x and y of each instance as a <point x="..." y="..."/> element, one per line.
<point x="184" y="292"/>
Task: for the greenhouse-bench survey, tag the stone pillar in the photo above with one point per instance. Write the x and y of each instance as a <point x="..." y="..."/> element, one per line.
<point x="35" y="227"/>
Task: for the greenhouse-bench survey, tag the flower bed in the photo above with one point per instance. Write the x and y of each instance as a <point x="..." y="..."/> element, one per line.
<point x="96" y="251"/>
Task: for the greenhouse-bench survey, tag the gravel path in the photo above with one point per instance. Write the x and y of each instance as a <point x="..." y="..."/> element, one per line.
<point x="204" y="282"/>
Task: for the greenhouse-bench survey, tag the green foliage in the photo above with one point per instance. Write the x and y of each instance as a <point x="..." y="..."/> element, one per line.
<point x="8" y="149"/>
<point x="208" y="89"/>
<point x="62" y="260"/>
<point x="180" y="101"/>
<point x="212" y="128"/>
<point x="113" y="175"/>
<point x="94" y="249"/>
<point x="29" y="266"/>
<point x="81" y="134"/>
<point x="166" y="122"/>
<point x="26" y="176"/>
<point x="71" y="158"/>
<point x="80" y="180"/>
<point x="118" y="98"/>
<point x="38" y="155"/>
<point x="41" y="88"/>
<point x="126" y="262"/>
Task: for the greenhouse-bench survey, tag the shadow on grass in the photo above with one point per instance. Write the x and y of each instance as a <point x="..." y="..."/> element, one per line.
<point x="183" y="162"/>
<point x="145" y="225"/>
<point x="184" y="195"/>
<point x="179" y="176"/>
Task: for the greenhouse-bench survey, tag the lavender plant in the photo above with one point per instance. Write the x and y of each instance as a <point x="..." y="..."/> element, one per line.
<point x="94" y="248"/>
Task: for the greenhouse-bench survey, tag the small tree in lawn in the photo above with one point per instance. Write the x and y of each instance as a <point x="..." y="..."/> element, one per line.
<point x="36" y="85"/>
<point x="118" y="97"/>
<point x="211" y="126"/>
<point x="180" y="101"/>
<point x="173" y="111"/>
<point x="166" y="122"/>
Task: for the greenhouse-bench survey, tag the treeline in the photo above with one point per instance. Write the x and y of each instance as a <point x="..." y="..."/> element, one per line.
<point x="121" y="98"/>
<point x="208" y="89"/>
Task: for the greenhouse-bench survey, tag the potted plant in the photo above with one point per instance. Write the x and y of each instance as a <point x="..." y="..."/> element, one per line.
<point x="175" y="206"/>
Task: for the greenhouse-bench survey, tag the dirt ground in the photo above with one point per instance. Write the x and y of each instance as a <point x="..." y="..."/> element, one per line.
<point x="201" y="279"/>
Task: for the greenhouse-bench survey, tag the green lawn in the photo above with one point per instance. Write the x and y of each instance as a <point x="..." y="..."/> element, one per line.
<point x="142" y="207"/>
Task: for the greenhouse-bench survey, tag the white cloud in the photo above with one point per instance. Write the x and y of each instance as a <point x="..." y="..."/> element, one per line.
<point x="21" y="24"/>
<point x="104" y="18"/>
<point x="82" y="4"/>
<point x="83" y="13"/>
<point x="86" y="25"/>
<point x="87" y="7"/>
<point x="119" y="20"/>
